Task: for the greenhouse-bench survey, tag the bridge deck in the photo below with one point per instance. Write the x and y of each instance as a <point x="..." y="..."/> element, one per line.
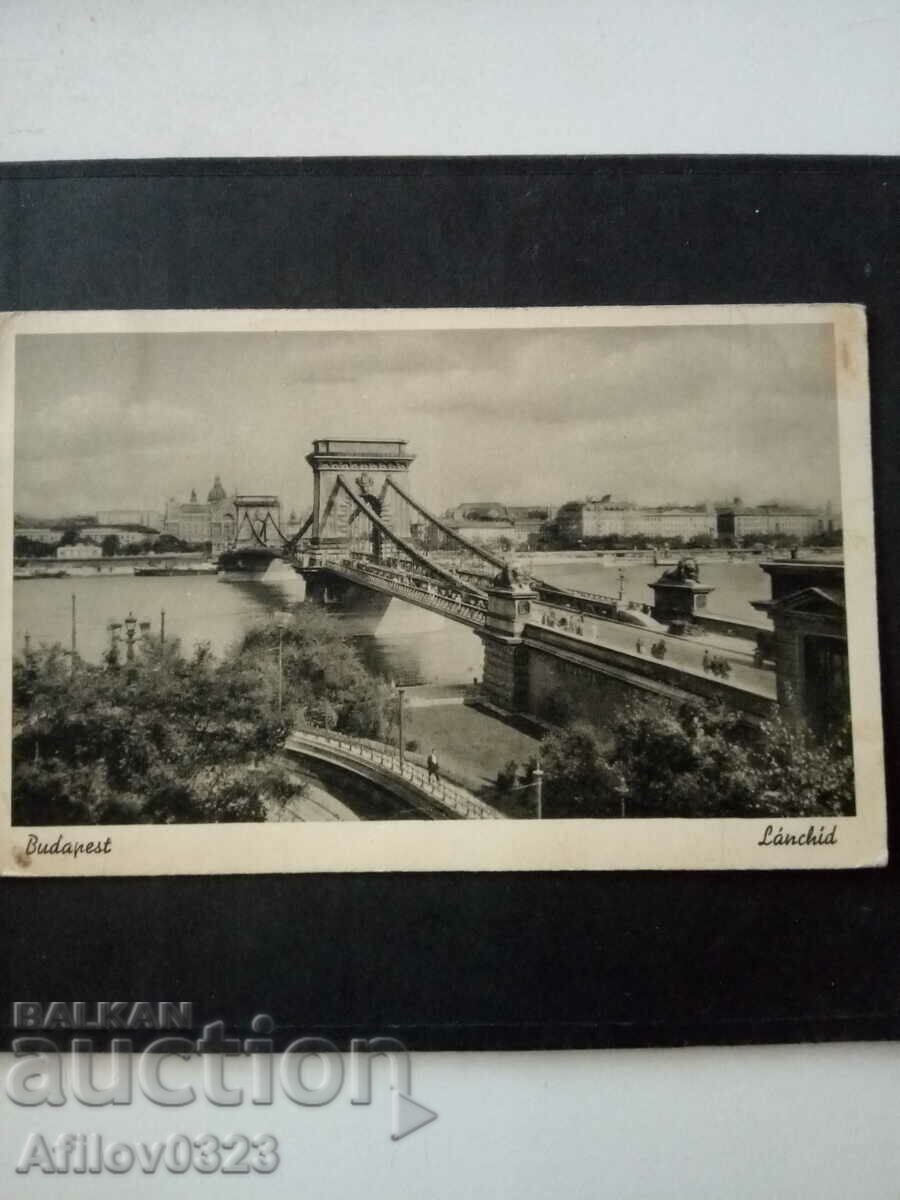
<point x="393" y="583"/>
<point x="682" y="653"/>
<point x="578" y="623"/>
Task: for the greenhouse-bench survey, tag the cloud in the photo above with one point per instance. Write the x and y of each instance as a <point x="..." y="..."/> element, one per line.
<point x="660" y="413"/>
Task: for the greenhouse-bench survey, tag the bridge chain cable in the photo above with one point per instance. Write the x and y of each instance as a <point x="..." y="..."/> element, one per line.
<point x="415" y="554"/>
<point x="477" y="551"/>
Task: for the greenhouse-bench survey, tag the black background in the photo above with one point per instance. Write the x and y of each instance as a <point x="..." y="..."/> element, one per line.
<point x="479" y="960"/>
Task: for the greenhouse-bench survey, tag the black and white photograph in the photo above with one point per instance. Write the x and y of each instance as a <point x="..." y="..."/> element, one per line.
<point x="316" y="588"/>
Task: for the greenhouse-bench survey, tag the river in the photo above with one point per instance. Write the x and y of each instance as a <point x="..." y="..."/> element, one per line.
<point x="411" y="646"/>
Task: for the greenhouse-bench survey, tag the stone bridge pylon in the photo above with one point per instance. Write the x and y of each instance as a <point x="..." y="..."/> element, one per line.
<point x="363" y="467"/>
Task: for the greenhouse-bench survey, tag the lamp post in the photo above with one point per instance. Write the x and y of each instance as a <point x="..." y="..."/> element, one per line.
<point x="538" y="778"/>
<point x="130" y="632"/>
<point x="281" y="620"/>
<point x="399" y="689"/>
<point x="400" y="723"/>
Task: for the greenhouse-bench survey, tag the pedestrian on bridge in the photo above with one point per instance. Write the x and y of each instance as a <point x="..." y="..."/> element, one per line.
<point x="433" y="768"/>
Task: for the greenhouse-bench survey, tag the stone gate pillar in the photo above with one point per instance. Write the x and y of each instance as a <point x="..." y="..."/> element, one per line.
<point x="505" y="677"/>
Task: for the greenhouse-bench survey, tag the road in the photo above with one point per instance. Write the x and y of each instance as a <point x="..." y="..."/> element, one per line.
<point x="686" y="653"/>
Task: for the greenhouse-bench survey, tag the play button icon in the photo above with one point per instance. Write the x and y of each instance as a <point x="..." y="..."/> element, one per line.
<point x="408" y="1115"/>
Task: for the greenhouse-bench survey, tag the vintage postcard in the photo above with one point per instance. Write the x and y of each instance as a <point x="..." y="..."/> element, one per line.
<point x="525" y="589"/>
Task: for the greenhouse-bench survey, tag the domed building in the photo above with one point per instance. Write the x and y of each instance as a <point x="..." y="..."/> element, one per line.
<point x="216" y="492"/>
<point x="197" y="523"/>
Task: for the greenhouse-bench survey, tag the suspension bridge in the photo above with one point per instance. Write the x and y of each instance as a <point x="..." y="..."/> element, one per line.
<point x="368" y="540"/>
<point x="368" y="530"/>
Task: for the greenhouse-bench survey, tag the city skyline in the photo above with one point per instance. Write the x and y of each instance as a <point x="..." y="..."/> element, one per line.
<point x="655" y="415"/>
<point x="301" y="512"/>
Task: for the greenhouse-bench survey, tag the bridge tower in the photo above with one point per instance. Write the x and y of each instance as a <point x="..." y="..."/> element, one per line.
<point x="365" y="466"/>
<point x="253" y="535"/>
<point x="256" y="521"/>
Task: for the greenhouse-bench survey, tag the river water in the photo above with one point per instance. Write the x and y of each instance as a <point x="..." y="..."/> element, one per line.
<point x="410" y="646"/>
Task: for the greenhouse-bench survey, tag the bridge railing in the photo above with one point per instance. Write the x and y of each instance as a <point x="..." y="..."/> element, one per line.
<point x="592" y="628"/>
<point x="457" y="799"/>
<point x="471" y="608"/>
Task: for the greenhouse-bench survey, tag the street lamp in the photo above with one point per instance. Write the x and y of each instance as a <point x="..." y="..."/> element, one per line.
<point x="400" y="689"/>
<point x="538" y="778"/>
<point x="130" y="628"/>
<point x="282" y="619"/>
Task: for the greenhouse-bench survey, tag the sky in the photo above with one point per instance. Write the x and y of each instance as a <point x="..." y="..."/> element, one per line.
<point x="654" y="415"/>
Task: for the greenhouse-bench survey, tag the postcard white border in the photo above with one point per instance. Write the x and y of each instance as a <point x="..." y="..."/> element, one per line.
<point x="569" y="844"/>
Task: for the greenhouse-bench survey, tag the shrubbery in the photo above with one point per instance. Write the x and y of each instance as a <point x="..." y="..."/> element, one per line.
<point x="695" y="760"/>
<point x="172" y="738"/>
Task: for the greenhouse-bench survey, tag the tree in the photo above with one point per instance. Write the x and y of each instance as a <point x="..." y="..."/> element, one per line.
<point x="324" y="680"/>
<point x="165" y="739"/>
<point x="168" y="543"/>
<point x="580" y="780"/>
<point x="26" y="547"/>
<point x="695" y="760"/>
<point x="685" y="760"/>
<point x="110" y="545"/>
<point x="828" y="538"/>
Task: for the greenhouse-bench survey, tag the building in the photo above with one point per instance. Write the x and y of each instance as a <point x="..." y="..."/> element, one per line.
<point x="295" y="523"/>
<point x="79" y="550"/>
<point x="579" y="520"/>
<point x="199" y="522"/>
<point x="126" y="536"/>
<point x="669" y="523"/>
<point x="809" y="616"/>
<point x="146" y="517"/>
<point x="38" y="534"/>
<point x="583" y="520"/>
<point x="768" y="520"/>
<point x="505" y="526"/>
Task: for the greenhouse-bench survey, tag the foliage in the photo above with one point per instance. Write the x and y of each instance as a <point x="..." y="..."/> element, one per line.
<point x="829" y="538"/>
<point x="529" y="769"/>
<point x="695" y="760"/>
<point x="165" y="739"/>
<point x="26" y="547"/>
<point x="579" y="779"/>
<point x="168" y="543"/>
<point x="169" y="738"/>
<point x="110" y="545"/>
<point x="506" y="776"/>
<point x="325" y="682"/>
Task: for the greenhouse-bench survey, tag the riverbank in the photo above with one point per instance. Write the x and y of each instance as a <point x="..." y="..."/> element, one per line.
<point x="535" y="558"/>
